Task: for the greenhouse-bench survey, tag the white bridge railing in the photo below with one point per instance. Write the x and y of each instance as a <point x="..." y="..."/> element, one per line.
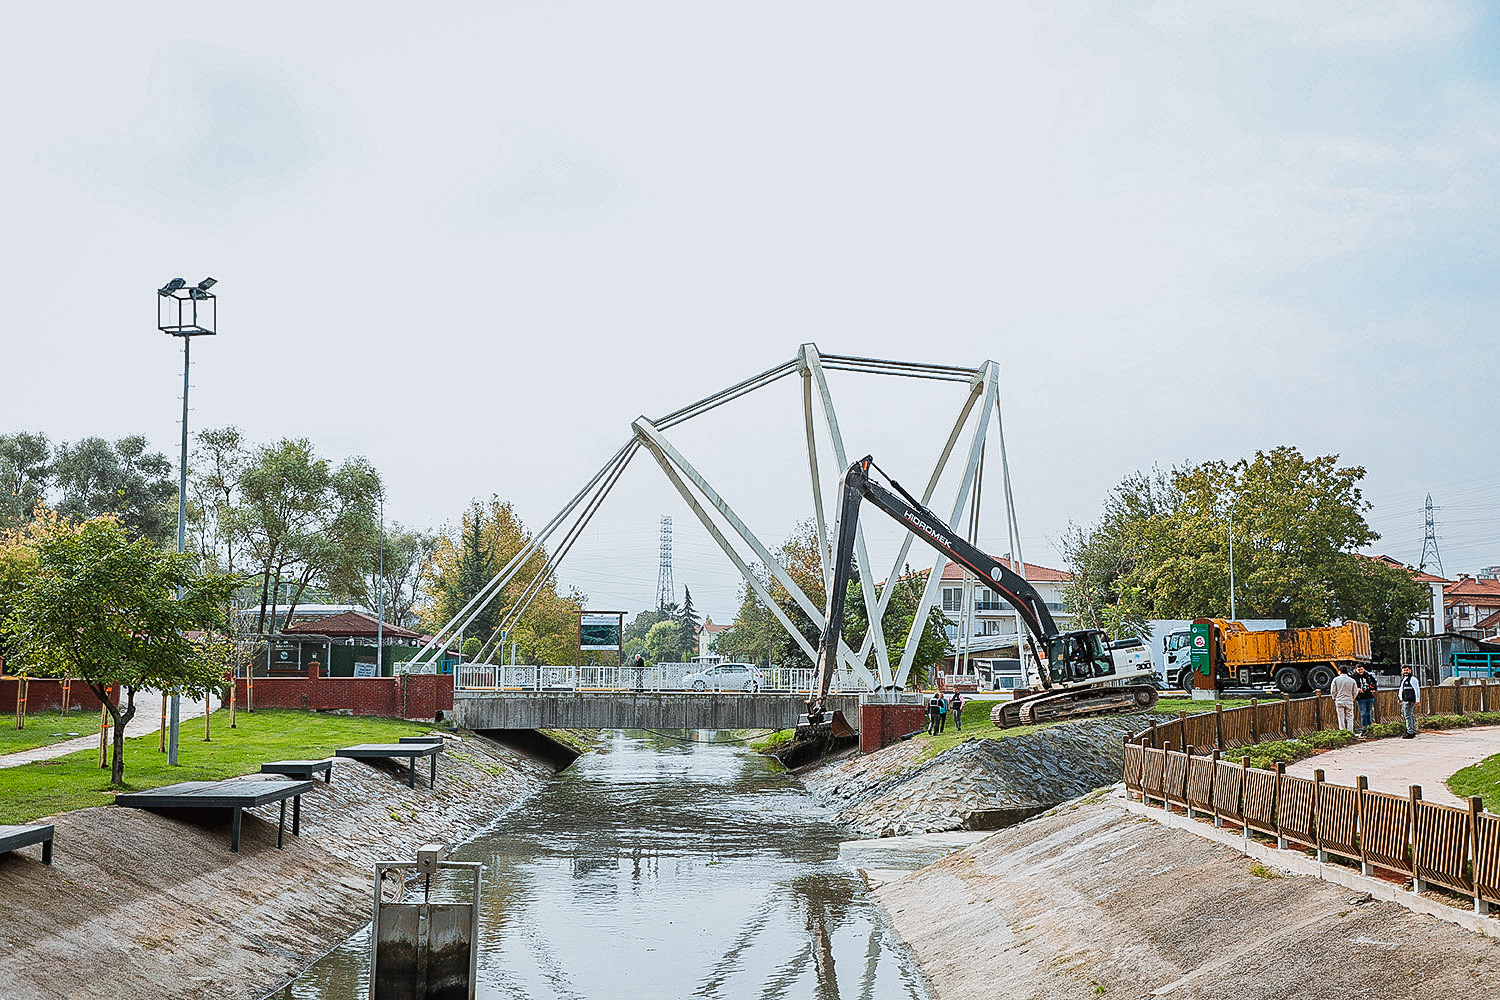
<point x="659" y="677"/>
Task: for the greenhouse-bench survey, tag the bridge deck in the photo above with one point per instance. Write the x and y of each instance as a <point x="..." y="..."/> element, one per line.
<point x="636" y="710"/>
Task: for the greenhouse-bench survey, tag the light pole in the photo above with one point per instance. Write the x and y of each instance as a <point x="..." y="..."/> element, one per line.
<point x="186" y="312"/>
<point x="380" y="594"/>
<point x="1229" y="510"/>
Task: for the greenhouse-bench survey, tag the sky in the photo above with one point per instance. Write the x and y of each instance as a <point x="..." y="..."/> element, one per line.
<point x="473" y="242"/>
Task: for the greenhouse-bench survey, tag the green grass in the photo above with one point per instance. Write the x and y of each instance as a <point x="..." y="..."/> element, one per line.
<point x="772" y="740"/>
<point x="76" y="781"/>
<point x="46" y="727"/>
<point x="1482" y="779"/>
<point x="1194" y="707"/>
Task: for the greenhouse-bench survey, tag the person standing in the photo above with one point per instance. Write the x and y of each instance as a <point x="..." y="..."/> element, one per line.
<point x="956" y="708"/>
<point x="942" y="712"/>
<point x="932" y="712"/>
<point x="1343" y="689"/>
<point x="1410" y="694"/>
<point x="1365" y="699"/>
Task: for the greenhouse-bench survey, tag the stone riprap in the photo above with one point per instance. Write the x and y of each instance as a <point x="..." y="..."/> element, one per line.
<point x="977" y="785"/>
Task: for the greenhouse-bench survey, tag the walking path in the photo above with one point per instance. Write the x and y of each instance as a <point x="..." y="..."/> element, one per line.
<point x="1393" y="765"/>
<point x="147" y="720"/>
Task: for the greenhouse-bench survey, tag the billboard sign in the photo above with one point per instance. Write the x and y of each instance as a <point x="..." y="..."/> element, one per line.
<point x="599" y="631"/>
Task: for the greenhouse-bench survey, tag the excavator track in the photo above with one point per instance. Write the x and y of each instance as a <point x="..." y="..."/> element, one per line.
<point x="1075" y="704"/>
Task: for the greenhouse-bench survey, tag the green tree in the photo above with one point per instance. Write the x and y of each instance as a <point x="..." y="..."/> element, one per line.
<point x="107" y="609"/>
<point x="752" y="635"/>
<point x="1161" y="549"/>
<point x="25" y="474"/>
<point x="218" y="461"/>
<point x="689" y="623"/>
<point x="406" y="552"/>
<point x="664" y="642"/>
<point x="94" y="477"/>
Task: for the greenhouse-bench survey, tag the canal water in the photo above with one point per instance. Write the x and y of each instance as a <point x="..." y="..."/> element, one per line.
<point x="658" y="867"/>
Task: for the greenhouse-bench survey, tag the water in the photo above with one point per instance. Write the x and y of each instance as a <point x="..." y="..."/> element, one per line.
<point x="658" y="868"/>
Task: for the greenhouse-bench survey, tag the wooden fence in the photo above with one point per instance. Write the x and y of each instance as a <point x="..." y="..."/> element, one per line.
<point x="1259" y="721"/>
<point x="1432" y="844"/>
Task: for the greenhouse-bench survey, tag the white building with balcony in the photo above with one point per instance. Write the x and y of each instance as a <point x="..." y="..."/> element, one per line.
<point x="984" y="630"/>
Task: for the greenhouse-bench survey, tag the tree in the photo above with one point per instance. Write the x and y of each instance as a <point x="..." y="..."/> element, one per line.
<point x="94" y="477"/>
<point x="25" y="473"/>
<point x="664" y="642"/>
<point x="405" y="554"/>
<point x="106" y="609"/>
<point x="689" y="623"/>
<point x="752" y="635"/>
<point x="489" y="538"/>
<point x="1161" y="549"/>
<point x="218" y="461"/>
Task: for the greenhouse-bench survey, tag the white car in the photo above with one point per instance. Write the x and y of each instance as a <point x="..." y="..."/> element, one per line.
<point x="726" y="677"/>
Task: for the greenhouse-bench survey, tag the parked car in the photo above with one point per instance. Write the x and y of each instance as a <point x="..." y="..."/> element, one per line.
<point x="726" y="677"/>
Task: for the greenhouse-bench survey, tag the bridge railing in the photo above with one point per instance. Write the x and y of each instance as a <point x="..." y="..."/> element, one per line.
<point x="624" y="679"/>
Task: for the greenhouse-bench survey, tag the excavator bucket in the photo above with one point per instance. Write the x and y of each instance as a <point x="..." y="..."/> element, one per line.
<point x="841" y="728"/>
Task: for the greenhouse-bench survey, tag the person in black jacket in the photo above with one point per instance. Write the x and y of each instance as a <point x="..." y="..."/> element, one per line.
<point x="1365" y="699"/>
<point x="956" y="709"/>
<point x="933" y="718"/>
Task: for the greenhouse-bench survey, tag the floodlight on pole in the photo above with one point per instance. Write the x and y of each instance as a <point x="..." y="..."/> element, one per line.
<point x="187" y="313"/>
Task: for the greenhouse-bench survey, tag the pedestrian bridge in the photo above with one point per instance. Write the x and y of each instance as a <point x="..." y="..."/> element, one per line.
<point x="637" y="709"/>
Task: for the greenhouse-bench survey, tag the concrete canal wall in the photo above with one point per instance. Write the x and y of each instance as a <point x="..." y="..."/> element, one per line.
<point x="141" y="905"/>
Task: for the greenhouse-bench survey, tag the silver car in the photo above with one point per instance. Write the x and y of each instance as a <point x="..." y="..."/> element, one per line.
<point x="726" y="677"/>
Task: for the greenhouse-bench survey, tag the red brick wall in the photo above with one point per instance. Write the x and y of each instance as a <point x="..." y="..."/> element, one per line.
<point x="42" y="695"/>
<point x="410" y="696"/>
<point x="882" y="724"/>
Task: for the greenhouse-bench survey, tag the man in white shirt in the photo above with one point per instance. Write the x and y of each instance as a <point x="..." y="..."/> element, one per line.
<point x="1343" y="689"/>
<point x="1409" y="692"/>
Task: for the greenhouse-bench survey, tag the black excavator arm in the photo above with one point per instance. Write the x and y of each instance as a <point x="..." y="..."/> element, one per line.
<point x="904" y="508"/>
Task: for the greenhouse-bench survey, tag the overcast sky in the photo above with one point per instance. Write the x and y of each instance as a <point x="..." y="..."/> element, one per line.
<point x="473" y="242"/>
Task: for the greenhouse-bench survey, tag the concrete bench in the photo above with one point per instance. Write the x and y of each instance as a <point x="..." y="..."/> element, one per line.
<point x="237" y="794"/>
<point x="304" y="769"/>
<point x="12" y="837"/>
<point x="411" y="751"/>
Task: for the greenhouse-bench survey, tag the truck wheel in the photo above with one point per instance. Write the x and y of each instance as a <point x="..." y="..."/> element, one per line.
<point x="1185" y="680"/>
<point x="1288" y="680"/>
<point x="1319" y="677"/>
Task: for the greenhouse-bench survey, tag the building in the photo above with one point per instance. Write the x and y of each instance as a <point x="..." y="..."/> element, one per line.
<point x="707" y="633"/>
<point x="985" y="630"/>
<point x="1423" y="624"/>
<point x="343" y="644"/>
<point x="1471" y="605"/>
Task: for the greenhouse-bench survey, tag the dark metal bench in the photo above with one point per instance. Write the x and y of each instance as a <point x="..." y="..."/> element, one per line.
<point x="411" y="751"/>
<point x="421" y="739"/>
<point x="304" y="769"/>
<point x="237" y="794"/>
<point x="12" y="837"/>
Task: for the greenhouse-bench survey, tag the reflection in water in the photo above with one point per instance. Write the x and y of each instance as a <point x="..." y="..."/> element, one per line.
<point x="661" y="868"/>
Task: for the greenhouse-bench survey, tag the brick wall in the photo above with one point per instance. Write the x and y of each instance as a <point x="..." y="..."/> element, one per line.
<point x="409" y="696"/>
<point x="883" y="724"/>
<point x="42" y="695"/>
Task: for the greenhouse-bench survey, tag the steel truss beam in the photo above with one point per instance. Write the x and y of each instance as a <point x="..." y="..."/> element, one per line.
<point x="983" y="383"/>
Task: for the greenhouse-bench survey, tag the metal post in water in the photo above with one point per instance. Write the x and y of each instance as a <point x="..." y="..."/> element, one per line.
<point x="425" y="950"/>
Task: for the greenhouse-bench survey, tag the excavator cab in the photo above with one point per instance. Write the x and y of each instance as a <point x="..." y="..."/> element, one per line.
<point x="1079" y="657"/>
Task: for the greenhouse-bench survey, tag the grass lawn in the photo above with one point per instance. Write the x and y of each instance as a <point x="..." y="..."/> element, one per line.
<point x="1482" y="779"/>
<point x="76" y="781"/>
<point x="50" y="726"/>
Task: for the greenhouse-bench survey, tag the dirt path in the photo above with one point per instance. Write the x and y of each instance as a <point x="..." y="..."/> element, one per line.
<point x="1089" y="901"/>
<point x="141" y="905"/>
<point x="1393" y="765"/>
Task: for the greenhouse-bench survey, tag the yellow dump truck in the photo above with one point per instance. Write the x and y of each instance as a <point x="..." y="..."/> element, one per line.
<point x="1226" y="653"/>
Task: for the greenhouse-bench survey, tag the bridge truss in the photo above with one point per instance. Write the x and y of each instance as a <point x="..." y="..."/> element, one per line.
<point x="721" y="521"/>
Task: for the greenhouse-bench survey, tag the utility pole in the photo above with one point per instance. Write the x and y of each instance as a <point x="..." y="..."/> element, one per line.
<point x="380" y="594"/>
<point x="187" y="313"/>
<point x="1232" y="615"/>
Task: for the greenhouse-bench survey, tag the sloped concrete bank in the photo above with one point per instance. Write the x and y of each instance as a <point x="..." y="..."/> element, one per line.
<point x="139" y="905"/>
<point x="977" y="785"/>
<point x="1088" y="900"/>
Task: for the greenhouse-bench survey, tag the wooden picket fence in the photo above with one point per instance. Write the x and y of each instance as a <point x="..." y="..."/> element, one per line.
<point x="1288" y="717"/>
<point x="1432" y="844"/>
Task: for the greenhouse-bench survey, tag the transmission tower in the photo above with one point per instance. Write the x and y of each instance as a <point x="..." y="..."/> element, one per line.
<point x="1429" y="543"/>
<point x="664" y="589"/>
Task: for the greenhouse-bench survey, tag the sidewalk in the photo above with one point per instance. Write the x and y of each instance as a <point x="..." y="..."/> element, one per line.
<point x="1392" y="765"/>
<point x="147" y="720"/>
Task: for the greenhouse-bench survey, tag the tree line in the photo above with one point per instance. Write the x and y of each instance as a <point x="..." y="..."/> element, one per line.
<point x="1161" y="549"/>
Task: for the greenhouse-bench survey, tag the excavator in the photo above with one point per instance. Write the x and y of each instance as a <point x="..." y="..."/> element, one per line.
<point x="1081" y="673"/>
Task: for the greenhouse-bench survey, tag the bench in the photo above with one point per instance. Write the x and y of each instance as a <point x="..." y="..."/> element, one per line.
<point x="304" y="769"/>
<point x="237" y="794"/>
<point x="422" y="739"/>
<point x="12" y="837"/>
<point x="411" y="751"/>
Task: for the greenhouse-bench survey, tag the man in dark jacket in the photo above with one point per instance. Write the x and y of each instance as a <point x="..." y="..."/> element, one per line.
<point x="1365" y="699"/>
<point x="1409" y="692"/>
<point x="934" y="719"/>
<point x="956" y="709"/>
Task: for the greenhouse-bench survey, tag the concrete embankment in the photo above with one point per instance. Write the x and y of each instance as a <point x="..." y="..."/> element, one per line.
<point x="977" y="785"/>
<point x="142" y="905"/>
<point x="1088" y="900"/>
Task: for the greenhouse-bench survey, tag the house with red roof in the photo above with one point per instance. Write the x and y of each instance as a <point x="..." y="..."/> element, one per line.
<point x="981" y="626"/>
